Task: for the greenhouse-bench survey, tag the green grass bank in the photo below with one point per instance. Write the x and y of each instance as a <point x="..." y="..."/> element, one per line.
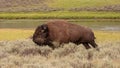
<point x="60" y="15"/>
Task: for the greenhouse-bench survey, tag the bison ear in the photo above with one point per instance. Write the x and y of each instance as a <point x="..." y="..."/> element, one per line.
<point x="44" y="28"/>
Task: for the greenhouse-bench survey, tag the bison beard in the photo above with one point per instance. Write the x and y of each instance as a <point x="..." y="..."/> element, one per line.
<point x="64" y="32"/>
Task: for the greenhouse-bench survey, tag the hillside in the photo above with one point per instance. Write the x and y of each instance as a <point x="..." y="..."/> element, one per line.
<point x="22" y="5"/>
<point x="55" y="5"/>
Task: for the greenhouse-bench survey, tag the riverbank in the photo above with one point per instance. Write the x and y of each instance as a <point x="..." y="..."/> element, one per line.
<point x="60" y="15"/>
<point x="6" y="34"/>
<point x="14" y="34"/>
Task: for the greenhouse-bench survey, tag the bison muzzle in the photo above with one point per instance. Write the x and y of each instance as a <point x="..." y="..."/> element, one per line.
<point x="63" y="32"/>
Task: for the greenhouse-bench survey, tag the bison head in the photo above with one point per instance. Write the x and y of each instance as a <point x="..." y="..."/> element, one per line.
<point x="41" y="34"/>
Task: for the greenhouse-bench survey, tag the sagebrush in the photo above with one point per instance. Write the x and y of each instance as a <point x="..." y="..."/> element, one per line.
<point x="26" y="54"/>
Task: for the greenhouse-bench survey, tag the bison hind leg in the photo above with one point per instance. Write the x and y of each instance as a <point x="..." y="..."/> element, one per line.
<point x="86" y="45"/>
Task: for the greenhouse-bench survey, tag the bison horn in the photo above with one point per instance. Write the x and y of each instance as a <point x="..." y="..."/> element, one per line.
<point x="44" y="28"/>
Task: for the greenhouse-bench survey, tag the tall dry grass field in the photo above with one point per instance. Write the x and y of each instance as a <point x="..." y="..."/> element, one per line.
<point x="26" y="54"/>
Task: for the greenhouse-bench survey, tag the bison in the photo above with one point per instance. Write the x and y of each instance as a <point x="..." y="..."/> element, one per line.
<point x="63" y="32"/>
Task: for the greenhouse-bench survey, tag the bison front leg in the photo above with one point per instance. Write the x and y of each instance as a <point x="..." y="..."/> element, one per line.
<point x="50" y="44"/>
<point x="94" y="45"/>
<point x="56" y="44"/>
<point x="86" y="45"/>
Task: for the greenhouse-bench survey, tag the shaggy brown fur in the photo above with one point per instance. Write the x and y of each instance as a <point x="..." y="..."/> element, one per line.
<point x="63" y="32"/>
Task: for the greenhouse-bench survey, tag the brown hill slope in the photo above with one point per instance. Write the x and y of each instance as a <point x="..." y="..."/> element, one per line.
<point x="22" y="5"/>
<point x="55" y="5"/>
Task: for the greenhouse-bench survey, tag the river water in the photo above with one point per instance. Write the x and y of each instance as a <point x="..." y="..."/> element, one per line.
<point x="109" y="25"/>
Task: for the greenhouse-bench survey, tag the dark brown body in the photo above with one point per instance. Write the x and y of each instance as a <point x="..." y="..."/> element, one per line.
<point x="64" y="32"/>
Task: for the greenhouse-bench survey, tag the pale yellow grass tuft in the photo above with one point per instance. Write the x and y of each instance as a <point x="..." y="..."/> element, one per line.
<point x="26" y="54"/>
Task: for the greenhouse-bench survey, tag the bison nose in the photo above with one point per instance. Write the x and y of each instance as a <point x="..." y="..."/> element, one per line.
<point x="38" y="41"/>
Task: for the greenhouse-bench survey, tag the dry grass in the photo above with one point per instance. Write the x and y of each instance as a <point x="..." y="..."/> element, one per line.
<point x="82" y="3"/>
<point x="13" y="34"/>
<point x="56" y="5"/>
<point x="25" y="54"/>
